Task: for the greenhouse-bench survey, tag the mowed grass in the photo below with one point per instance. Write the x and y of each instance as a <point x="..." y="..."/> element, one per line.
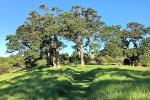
<point x="92" y="82"/>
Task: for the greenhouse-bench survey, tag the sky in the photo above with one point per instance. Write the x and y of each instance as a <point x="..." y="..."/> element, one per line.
<point x="13" y="13"/>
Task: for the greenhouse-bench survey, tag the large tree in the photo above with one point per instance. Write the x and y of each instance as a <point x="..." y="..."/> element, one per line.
<point x="38" y="37"/>
<point x="82" y="26"/>
<point x="27" y="39"/>
<point x="110" y="37"/>
<point x="74" y="30"/>
<point x="94" y="25"/>
<point x="132" y="38"/>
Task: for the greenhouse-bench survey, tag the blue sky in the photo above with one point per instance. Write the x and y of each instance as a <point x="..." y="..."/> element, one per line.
<point x="114" y="12"/>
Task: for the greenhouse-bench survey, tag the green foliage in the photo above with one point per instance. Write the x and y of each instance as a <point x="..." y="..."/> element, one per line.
<point x="64" y="58"/>
<point x="145" y="60"/>
<point x="3" y="70"/>
<point x="8" y="64"/>
<point x="13" y="44"/>
<point x="10" y="61"/>
<point x="134" y="34"/>
<point x="111" y="38"/>
<point x="74" y="58"/>
<point x="110" y="60"/>
<point x="42" y="35"/>
<point x="41" y="63"/>
<point x="145" y="49"/>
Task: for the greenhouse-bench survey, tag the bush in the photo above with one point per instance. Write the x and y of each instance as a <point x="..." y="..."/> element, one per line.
<point x="99" y="60"/>
<point x="93" y="62"/>
<point x="64" y="59"/>
<point x="11" y="63"/>
<point x="108" y="60"/>
<point x="74" y="58"/>
<point x="15" y="61"/>
<point x="3" y="70"/>
<point x="41" y="63"/>
<point x="87" y="59"/>
<point x="145" y="60"/>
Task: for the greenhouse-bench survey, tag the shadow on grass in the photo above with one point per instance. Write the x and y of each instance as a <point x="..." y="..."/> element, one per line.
<point x="70" y="84"/>
<point x="120" y="90"/>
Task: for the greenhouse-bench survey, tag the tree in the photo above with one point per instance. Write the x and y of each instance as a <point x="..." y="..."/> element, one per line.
<point x="131" y="39"/>
<point x="38" y="37"/>
<point x="50" y="28"/>
<point x="26" y="40"/>
<point x="81" y="26"/>
<point x="93" y="26"/>
<point x="75" y="30"/>
<point x="144" y="48"/>
<point x="110" y="36"/>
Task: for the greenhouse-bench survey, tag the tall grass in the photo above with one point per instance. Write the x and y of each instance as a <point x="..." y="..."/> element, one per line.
<point x="76" y="83"/>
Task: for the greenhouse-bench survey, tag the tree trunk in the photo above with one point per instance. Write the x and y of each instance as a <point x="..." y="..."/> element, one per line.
<point x="90" y="55"/>
<point x="57" y="62"/>
<point x="54" y="62"/>
<point x="57" y="58"/>
<point x="49" y="60"/>
<point x="82" y="54"/>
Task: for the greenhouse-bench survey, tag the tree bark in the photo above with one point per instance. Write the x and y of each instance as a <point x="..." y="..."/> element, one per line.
<point x="54" y="62"/>
<point x="82" y="54"/>
<point x="49" y="60"/>
<point x="57" y="58"/>
<point x="57" y="62"/>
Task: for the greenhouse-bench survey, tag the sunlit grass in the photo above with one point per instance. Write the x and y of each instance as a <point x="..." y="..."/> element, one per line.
<point x="91" y="82"/>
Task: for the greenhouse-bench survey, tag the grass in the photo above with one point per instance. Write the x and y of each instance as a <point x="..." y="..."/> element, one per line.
<point x="77" y="83"/>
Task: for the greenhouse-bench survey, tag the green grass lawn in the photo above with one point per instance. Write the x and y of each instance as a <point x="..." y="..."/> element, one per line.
<point x="91" y="82"/>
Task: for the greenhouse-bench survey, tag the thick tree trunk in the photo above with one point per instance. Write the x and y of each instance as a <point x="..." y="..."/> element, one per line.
<point x="49" y="60"/>
<point x="55" y="59"/>
<point x="54" y="62"/>
<point x="82" y="54"/>
<point x="57" y="62"/>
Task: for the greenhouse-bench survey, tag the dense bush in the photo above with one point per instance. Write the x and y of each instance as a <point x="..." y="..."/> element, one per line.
<point x="15" y="60"/>
<point x="41" y="63"/>
<point x="10" y="63"/>
<point x="87" y="59"/>
<point x="64" y="59"/>
<point x="108" y="60"/>
<point x="3" y="70"/>
<point x="74" y="58"/>
<point x="145" y="60"/>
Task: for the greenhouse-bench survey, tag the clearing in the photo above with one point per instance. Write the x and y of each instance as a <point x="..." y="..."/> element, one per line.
<point x="92" y="82"/>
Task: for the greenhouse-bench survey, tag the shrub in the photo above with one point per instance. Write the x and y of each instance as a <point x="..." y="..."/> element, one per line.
<point x="109" y="60"/>
<point x="74" y="58"/>
<point x="3" y="70"/>
<point x="87" y="59"/>
<point x="41" y="63"/>
<point x="11" y="63"/>
<point x="145" y="60"/>
<point x="64" y="59"/>
<point x="99" y="60"/>
<point x="92" y="62"/>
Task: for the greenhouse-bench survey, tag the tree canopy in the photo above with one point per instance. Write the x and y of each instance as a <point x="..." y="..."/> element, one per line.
<point x="42" y="37"/>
